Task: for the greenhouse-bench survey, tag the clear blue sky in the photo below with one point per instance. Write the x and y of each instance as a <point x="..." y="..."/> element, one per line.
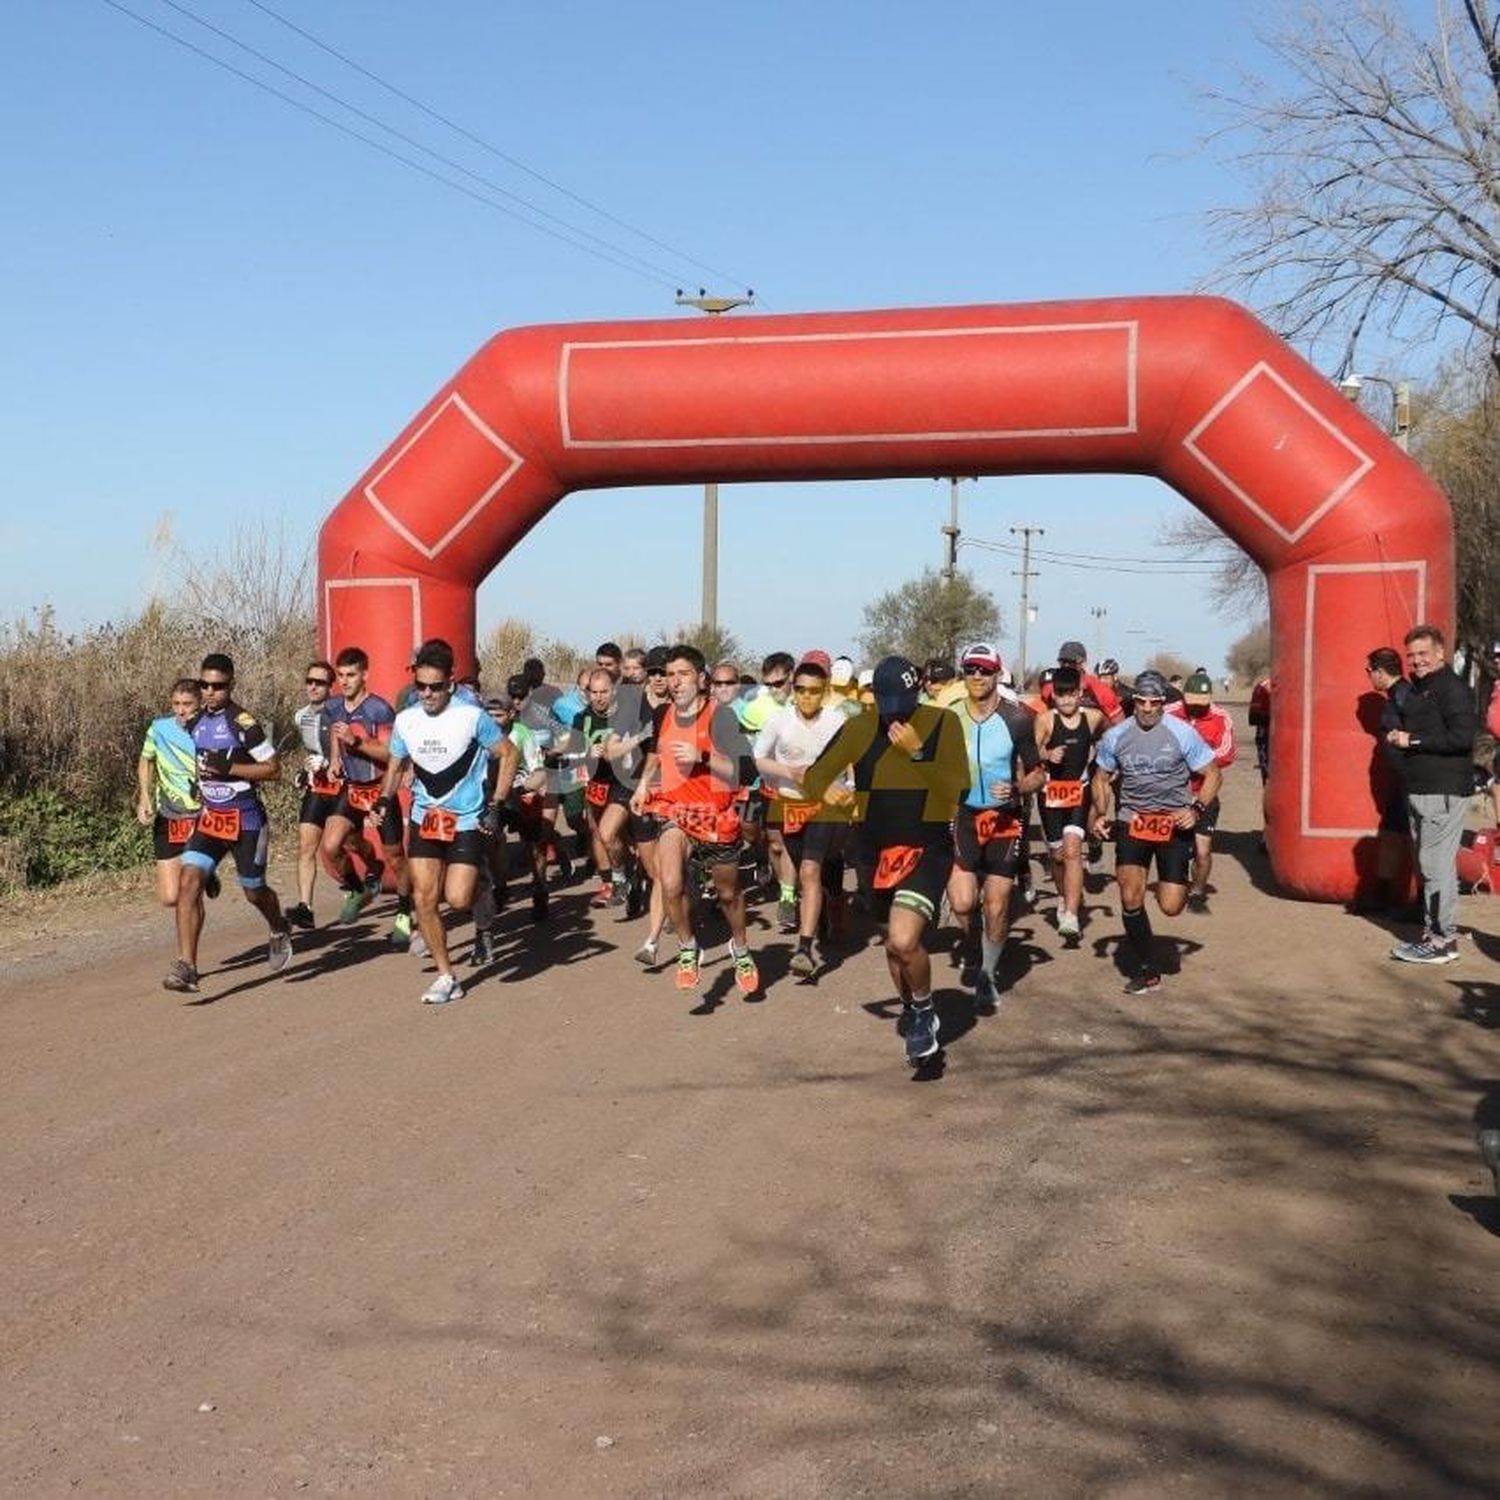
<point x="219" y="308"/>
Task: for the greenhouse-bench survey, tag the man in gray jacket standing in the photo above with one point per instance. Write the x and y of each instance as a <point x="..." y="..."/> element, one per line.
<point x="1436" y="741"/>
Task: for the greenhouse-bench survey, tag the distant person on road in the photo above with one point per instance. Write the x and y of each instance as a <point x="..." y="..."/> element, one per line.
<point x="1214" y="724"/>
<point x="1437" y="745"/>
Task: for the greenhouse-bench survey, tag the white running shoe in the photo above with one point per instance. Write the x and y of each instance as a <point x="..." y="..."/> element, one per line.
<point x="443" y="989"/>
<point x="418" y="946"/>
<point x="1067" y="923"/>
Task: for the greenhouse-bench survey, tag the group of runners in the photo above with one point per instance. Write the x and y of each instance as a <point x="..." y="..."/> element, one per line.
<point x="680" y="783"/>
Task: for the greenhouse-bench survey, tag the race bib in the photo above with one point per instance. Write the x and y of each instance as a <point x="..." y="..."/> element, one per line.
<point x="795" y="816"/>
<point x="706" y="824"/>
<point x="220" y="823"/>
<point x="896" y="864"/>
<point x="324" y="784"/>
<point x="997" y="823"/>
<point x="439" y="825"/>
<point x="364" y="796"/>
<point x="180" y="830"/>
<point x="1152" y="827"/>
<point x="1063" y="794"/>
<point x="597" y="794"/>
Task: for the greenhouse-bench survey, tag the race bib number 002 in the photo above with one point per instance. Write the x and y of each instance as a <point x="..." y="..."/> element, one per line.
<point x="439" y="825"/>
<point x="996" y="823"/>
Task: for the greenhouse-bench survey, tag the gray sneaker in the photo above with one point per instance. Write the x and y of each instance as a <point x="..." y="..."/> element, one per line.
<point x="443" y="989"/>
<point x="986" y="997"/>
<point x="803" y="964"/>
<point x="182" y="977"/>
<point x="418" y="947"/>
<point x="921" y="1032"/>
<point x="1434" y="950"/>
<point x="279" y="951"/>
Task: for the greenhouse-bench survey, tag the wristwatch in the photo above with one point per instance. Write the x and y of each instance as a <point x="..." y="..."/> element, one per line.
<point x="1199" y="808"/>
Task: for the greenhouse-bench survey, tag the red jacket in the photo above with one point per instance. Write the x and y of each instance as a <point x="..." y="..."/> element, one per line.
<point x="1216" y="727"/>
<point x="1492" y="713"/>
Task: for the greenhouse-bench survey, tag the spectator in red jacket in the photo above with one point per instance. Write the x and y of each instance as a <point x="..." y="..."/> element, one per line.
<point x="1199" y="709"/>
<point x="1260" y="722"/>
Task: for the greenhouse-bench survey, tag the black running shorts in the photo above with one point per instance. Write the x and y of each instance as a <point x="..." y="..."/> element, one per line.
<point x="975" y="854"/>
<point x="1174" y="856"/>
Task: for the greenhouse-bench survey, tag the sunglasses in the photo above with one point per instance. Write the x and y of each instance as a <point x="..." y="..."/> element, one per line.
<point x="724" y="681"/>
<point x="318" y="681"/>
<point x="205" y="686"/>
<point x="773" y="682"/>
<point x="979" y="672"/>
<point x="432" y="687"/>
<point x="809" y="690"/>
<point x="656" y="671"/>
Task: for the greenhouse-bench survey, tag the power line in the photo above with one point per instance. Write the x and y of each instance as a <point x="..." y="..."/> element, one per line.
<point x="1166" y="569"/>
<point x="385" y="150"/>
<point x="408" y="140"/>
<point x="494" y="150"/>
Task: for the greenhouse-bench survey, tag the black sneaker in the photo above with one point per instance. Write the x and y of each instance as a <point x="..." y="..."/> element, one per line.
<point x="803" y="964"/>
<point x="1197" y="901"/>
<point x="619" y="893"/>
<point x="1143" y="983"/>
<point x="986" y="1000"/>
<point x="482" y="952"/>
<point x="211" y="886"/>
<point x="968" y="974"/>
<point x="300" y="915"/>
<point x="374" y="877"/>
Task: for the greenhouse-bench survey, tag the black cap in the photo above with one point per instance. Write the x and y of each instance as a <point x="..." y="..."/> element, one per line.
<point x="1150" y="684"/>
<point x="897" y="685"/>
<point x="518" y="686"/>
<point x="656" y="659"/>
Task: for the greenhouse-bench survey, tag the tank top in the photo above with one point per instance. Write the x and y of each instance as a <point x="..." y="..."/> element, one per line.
<point x="1077" y="744"/>
<point x="698" y="783"/>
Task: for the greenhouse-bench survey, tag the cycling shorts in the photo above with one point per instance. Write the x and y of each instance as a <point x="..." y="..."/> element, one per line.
<point x="251" y="850"/>
<point x="1173" y="856"/>
<point x="317" y="807"/>
<point x="170" y="835"/>
<point x="465" y="848"/>
<point x="913" y="877"/>
<point x="982" y="855"/>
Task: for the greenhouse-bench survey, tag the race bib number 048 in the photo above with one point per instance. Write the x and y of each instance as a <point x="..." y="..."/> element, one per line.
<point x="896" y="864"/>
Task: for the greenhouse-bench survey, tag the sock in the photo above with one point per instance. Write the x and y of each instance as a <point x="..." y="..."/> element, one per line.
<point x="921" y="1002"/>
<point x="788" y="892"/>
<point x="1138" y="936"/>
<point x="735" y="950"/>
<point x="805" y="943"/>
<point x="403" y="905"/>
<point x="991" y="951"/>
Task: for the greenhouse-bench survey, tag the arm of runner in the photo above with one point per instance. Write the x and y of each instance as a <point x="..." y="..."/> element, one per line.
<point x="509" y="758"/>
<point x="254" y="757"/>
<point x="1224" y="751"/>
<point x="1107" y="699"/>
<point x="144" y="810"/>
<point x="1027" y="756"/>
<point x="1102" y="788"/>
<point x="639" y="796"/>
<point x="820" y="780"/>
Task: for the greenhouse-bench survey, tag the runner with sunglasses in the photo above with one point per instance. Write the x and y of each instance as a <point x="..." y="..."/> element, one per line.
<point x="446" y="743"/>
<point x="909" y="770"/>
<point x="320" y="792"/>
<point x="234" y="755"/>
<point x="359" y="731"/>
<point x="1066" y="731"/>
<point x="1142" y="794"/>
<point x="695" y="765"/>
<point x="806" y="834"/>
<point x="989" y="831"/>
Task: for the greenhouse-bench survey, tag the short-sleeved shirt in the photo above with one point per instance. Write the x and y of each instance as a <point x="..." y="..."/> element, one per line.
<point x="242" y="736"/>
<point x="449" y="755"/>
<point x="795" y="741"/>
<point x="370" y="719"/>
<point x="170" y="749"/>
<point x="312" y="728"/>
<point x="1156" y="765"/>
<point x="995" y="745"/>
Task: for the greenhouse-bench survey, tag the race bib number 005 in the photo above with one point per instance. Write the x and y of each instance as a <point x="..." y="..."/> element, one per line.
<point x="220" y="823"/>
<point x="1063" y="794"/>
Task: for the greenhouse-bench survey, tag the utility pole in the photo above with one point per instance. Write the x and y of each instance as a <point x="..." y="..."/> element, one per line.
<point x="950" y="531"/>
<point x="1098" y="612"/>
<point x="714" y="307"/>
<point x="1026" y="573"/>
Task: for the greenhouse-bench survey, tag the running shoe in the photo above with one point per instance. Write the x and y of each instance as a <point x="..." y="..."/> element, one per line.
<point x="746" y="975"/>
<point x="443" y="989"/>
<point x="279" y="950"/>
<point x="986" y="1000"/>
<point x="182" y="977"/>
<point x="1143" y="983"/>
<point x="637" y="899"/>
<point x="619" y="893"/>
<point x="921" y="1032"/>
<point x="211" y="885"/>
<point x="374" y="878"/>
<point x="354" y="903"/>
<point x="687" y="967"/>
<point x="1433" y="950"/>
<point x="482" y="952"/>
<point x="419" y="948"/>
<point x="1067" y="924"/>
<point x="803" y="964"/>
<point x="400" y="933"/>
<point x="786" y="916"/>
<point x="300" y="915"/>
<point x="1197" y="901"/>
<point x="602" y="897"/>
<point x="645" y="955"/>
<point x="968" y="974"/>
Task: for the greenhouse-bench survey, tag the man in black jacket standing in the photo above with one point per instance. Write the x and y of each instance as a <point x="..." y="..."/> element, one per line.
<point x="1436" y="741"/>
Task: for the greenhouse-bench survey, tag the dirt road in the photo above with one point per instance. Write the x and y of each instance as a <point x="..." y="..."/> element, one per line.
<point x="577" y="1236"/>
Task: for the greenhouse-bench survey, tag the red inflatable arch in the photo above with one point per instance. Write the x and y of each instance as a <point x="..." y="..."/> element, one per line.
<point x="1356" y="542"/>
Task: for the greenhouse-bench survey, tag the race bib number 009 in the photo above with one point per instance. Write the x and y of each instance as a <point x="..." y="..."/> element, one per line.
<point x="1153" y="827"/>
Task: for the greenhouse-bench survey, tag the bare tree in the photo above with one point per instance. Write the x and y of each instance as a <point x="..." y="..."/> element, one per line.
<point x="1377" y="176"/>
<point x="1237" y="586"/>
